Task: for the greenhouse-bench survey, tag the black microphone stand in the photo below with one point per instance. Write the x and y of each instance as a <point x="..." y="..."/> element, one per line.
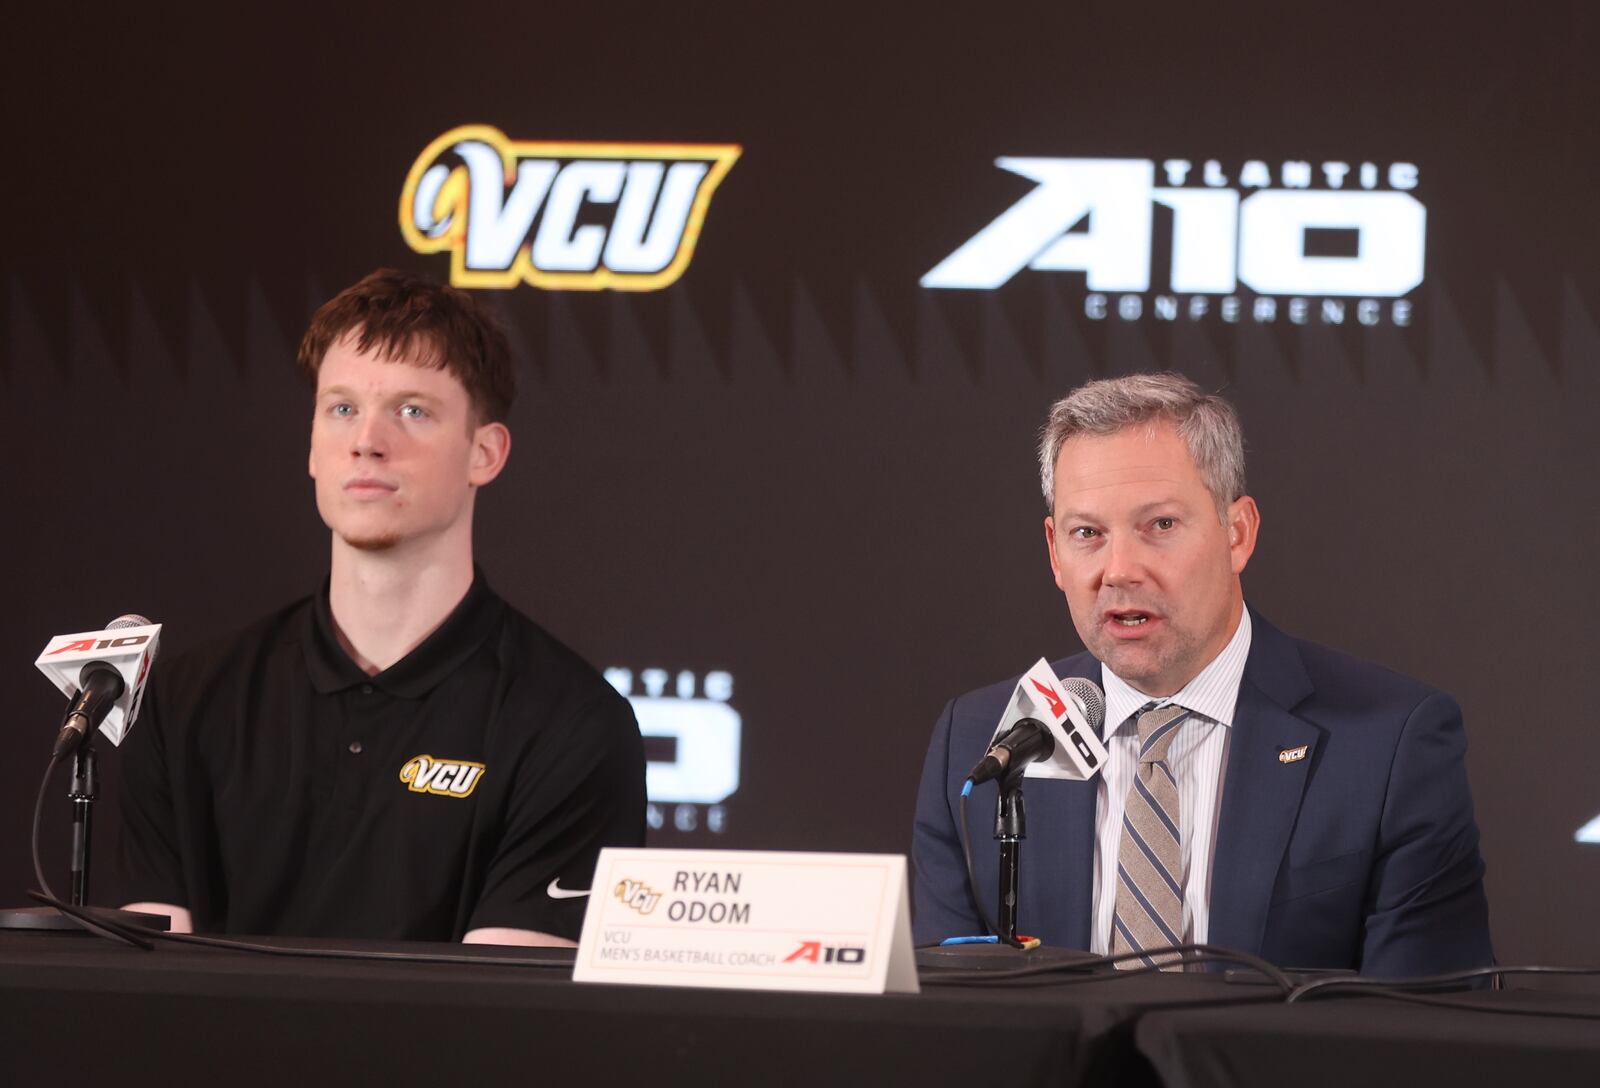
<point x="83" y="793"/>
<point x="1010" y="828"/>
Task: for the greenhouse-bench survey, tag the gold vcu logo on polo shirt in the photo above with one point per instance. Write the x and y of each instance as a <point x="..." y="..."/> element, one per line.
<point x="444" y="777"/>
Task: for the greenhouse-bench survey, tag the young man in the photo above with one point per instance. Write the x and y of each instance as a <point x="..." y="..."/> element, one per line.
<point x="1260" y="793"/>
<point x="401" y="755"/>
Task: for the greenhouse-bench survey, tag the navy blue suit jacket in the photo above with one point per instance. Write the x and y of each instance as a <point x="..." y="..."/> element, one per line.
<point x="1362" y="855"/>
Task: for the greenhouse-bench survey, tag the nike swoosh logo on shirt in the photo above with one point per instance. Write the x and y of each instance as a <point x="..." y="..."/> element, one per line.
<point x="556" y="891"/>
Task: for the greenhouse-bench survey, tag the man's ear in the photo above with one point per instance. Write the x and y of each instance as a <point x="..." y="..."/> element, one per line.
<point x="491" y="448"/>
<point x="1243" y="524"/>
<point x="1050" y="546"/>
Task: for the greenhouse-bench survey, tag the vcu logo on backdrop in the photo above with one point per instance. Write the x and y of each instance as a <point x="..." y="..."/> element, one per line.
<point x="441" y="777"/>
<point x="560" y="215"/>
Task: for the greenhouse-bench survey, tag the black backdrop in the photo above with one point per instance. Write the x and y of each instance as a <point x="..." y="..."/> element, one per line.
<point x="795" y="464"/>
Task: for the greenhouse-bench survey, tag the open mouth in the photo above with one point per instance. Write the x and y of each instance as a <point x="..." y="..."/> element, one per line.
<point x="1129" y="618"/>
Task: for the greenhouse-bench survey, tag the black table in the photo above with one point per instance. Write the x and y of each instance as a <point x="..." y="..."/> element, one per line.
<point x="75" y="1009"/>
<point x="1513" y="1038"/>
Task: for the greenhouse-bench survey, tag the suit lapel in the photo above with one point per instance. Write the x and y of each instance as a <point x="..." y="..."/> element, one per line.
<point x="1261" y="793"/>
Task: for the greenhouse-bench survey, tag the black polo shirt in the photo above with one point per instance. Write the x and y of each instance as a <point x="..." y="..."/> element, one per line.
<point x="272" y="787"/>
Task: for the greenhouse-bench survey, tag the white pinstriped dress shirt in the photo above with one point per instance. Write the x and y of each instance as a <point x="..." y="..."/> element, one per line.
<point x="1198" y="757"/>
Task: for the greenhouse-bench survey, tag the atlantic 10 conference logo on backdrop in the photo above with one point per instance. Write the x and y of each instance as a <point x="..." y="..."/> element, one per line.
<point x="691" y="739"/>
<point x="562" y="216"/>
<point x="1300" y="242"/>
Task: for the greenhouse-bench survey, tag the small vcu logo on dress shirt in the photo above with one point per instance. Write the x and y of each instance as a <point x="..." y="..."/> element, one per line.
<point x="442" y="777"/>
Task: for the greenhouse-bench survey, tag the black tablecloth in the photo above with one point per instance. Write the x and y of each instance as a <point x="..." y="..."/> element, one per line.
<point x="1512" y="1038"/>
<point x="76" y="1007"/>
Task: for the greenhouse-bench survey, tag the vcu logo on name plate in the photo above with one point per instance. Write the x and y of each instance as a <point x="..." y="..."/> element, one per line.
<point x="567" y="215"/>
<point x="441" y="777"/>
<point x="637" y="895"/>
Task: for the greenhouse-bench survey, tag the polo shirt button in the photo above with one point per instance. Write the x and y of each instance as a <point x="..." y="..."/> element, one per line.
<point x="366" y="689"/>
<point x="355" y="747"/>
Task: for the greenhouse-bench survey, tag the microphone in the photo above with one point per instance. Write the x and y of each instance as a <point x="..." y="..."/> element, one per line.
<point x="103" y="673"/>
<point x="1092" y="701"/>
<point x="1025" y="742"/>
<point x="101" y="685"/>
<point x="1051" y="726"/>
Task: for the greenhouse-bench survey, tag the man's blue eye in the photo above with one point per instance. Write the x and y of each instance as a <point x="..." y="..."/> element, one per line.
<point x="412" y="411"/>
<point x="341" y="409"/>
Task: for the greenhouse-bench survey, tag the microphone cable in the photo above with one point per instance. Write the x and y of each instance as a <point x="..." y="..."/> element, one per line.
<point x="1080" y="971"/>
<point x="38" y="816"/>
<point x="109" y="930"/>
<point x="130" y="933"/>
<point x="1409" y="989"/>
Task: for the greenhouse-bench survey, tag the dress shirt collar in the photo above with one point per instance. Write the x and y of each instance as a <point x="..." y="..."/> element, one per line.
<point x="1213" y="693"/>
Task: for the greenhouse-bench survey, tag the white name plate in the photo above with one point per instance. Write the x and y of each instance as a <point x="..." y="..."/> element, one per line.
<point x="749" y="920"/>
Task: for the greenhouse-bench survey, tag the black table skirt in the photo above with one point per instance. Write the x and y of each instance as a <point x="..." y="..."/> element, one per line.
<point x="75" y="1009"/>
<point x="1512" y="1038"/>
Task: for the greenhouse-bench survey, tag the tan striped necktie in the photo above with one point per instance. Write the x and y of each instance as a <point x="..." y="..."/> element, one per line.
<point x="1149" y="913"/>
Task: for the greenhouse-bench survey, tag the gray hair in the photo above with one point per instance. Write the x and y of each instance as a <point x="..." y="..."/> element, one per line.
<point x="1207" y="424"/>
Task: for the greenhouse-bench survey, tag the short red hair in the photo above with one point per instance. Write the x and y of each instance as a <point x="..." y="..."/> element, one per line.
<point x="414" y="320"/>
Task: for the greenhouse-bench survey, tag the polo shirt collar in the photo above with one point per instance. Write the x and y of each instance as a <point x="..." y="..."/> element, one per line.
<point x="1213" y="693"/>
<point x="420" y="671"/>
